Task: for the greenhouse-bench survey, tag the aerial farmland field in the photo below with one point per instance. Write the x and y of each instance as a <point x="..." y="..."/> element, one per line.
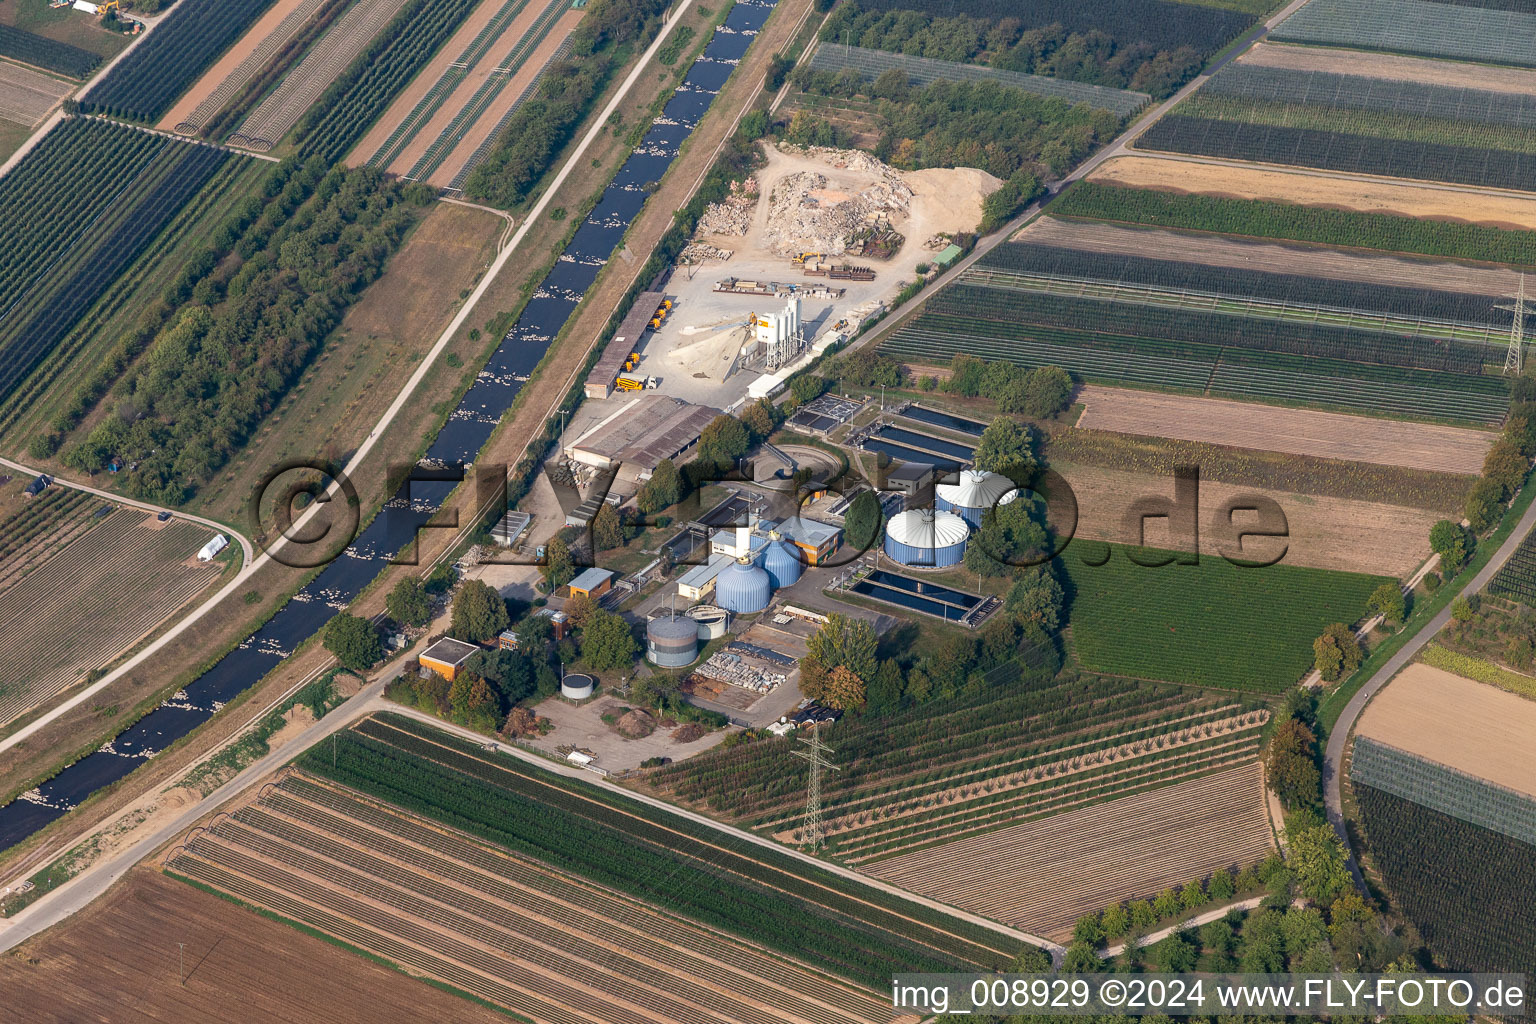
<point x="524" y="936"/>
<point x="1295" y="432"/>
<point x="1212" y="624"/>
<point x="1043" y="875"/>
<point x="86" y="586"/>
<point x="473" y="85"/>
<point x="1396" y="216"/>
<point x="244" y="967"/>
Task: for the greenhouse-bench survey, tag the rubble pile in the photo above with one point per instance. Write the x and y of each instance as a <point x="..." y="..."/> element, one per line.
<point x="733" y="214"/>
<point x="806" y="215"/>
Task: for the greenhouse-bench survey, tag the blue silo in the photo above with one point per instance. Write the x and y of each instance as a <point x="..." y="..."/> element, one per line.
<point x="743" y="588"/>
<point x="782" y="563"/>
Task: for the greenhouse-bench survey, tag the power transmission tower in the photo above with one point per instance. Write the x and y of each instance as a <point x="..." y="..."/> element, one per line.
<point x="811" y="831"/>
<point x="1512" y="356"/>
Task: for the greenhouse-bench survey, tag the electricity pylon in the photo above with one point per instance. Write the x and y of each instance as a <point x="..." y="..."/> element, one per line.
<point x="811" y="831"/>
<point x="1512" y="355"/>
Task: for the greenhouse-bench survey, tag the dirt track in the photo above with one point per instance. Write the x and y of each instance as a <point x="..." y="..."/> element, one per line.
<point x="119" y="961"/>
<point x="1392" y="67"/>
<point x="509" y="94"/>
<point x="424" y="80"/>
<point x="1271" y="257"/>
<point x="1296" y="431"/>
<point x="1470" y="726"/>
<point x="1460" y="206"/>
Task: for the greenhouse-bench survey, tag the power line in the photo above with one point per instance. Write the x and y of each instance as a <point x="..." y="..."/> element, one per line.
<point x="811" y="833"/>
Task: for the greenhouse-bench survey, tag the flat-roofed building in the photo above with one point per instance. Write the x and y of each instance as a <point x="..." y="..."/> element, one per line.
<point x="592" y="582"/>
<point x="447" y="656"/>
<point x="641" y="433"/>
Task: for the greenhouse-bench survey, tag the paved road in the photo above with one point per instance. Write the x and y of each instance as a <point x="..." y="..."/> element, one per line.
<point x="423" y="366"/>
<point x="77" y="893"/>
<point x="1338" y="737"/>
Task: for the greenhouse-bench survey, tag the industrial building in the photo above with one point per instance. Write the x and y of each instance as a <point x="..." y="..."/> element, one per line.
<point x="698" y="583"/>
<point x="593" y="583"/>
<point x="743" y="588"/>
<point x="974" y="493"/>
<point x="671" y="642"/>
<point x="447" y="656"/>
<point x="782" y="562"/>
<point x="600" y="382"/>
<point x="815" y="540"/>
<point x="925" y="538"/>
<point x="639" y="434"/>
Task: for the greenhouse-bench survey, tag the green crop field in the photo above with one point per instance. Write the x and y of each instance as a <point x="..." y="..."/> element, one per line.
<point x="1211" y="624"/>
<point x="1260" y="218"/>
<point x="684" y="867"/>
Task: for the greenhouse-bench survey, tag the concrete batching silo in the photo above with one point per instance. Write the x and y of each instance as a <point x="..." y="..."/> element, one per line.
<point x="671" y="642"/>
<point x="743" y="588"/>
<point x="974" y="494"/>
<point x="782" y="564"/>
<point x="924" y="538"/>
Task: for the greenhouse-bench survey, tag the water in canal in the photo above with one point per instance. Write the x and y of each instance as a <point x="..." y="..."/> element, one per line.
<point x="459" y="442"/>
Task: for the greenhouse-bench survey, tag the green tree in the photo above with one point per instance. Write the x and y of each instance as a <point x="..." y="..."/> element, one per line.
<point x="862" y="522"/>
<point x="407" y="603"/>
<point x="1165" y="904"/>
<point x="1036" y="597"/>
<point x="607" y="529"/>
<point x="1006" y="447"/>
<point x="1291" y="765"/>
<point x="663" y="490"/>
<point x="1337" y="652"/>
<point x="1485" y="504"/>
<point x="354" y="641"/>
<point x="1115" y="921"/>
<point x="1089" y="929"/>
<point x="479" y="613"/>
<point x="1081" y="958"/>
<point x="1449" y="541"/>
<point x="1220" y="885"/>
<point x="559" y="566"/>
<point x="1388" y="602"/>
<point x="1048" y="392"/>
<point x="847" y="642"/>
<point x="1320" y="864"/>
<point x="1461" y="609"/>
<point x="887" y="687"/>
<point x="607" y="643"/>
<point x="723" y="441"/>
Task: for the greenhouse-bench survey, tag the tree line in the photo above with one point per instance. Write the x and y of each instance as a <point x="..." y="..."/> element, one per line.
<point x="253" y="326"/>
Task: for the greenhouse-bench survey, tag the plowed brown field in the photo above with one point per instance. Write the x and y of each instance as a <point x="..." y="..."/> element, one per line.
<point x="1319" y="189"/>
<point x="1044" y="875"/>
<point x="1324" y="533"/>
<point x="1296" y="431"/>
<point x="118" y="960"/>
<point x="1470" y="726"/>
